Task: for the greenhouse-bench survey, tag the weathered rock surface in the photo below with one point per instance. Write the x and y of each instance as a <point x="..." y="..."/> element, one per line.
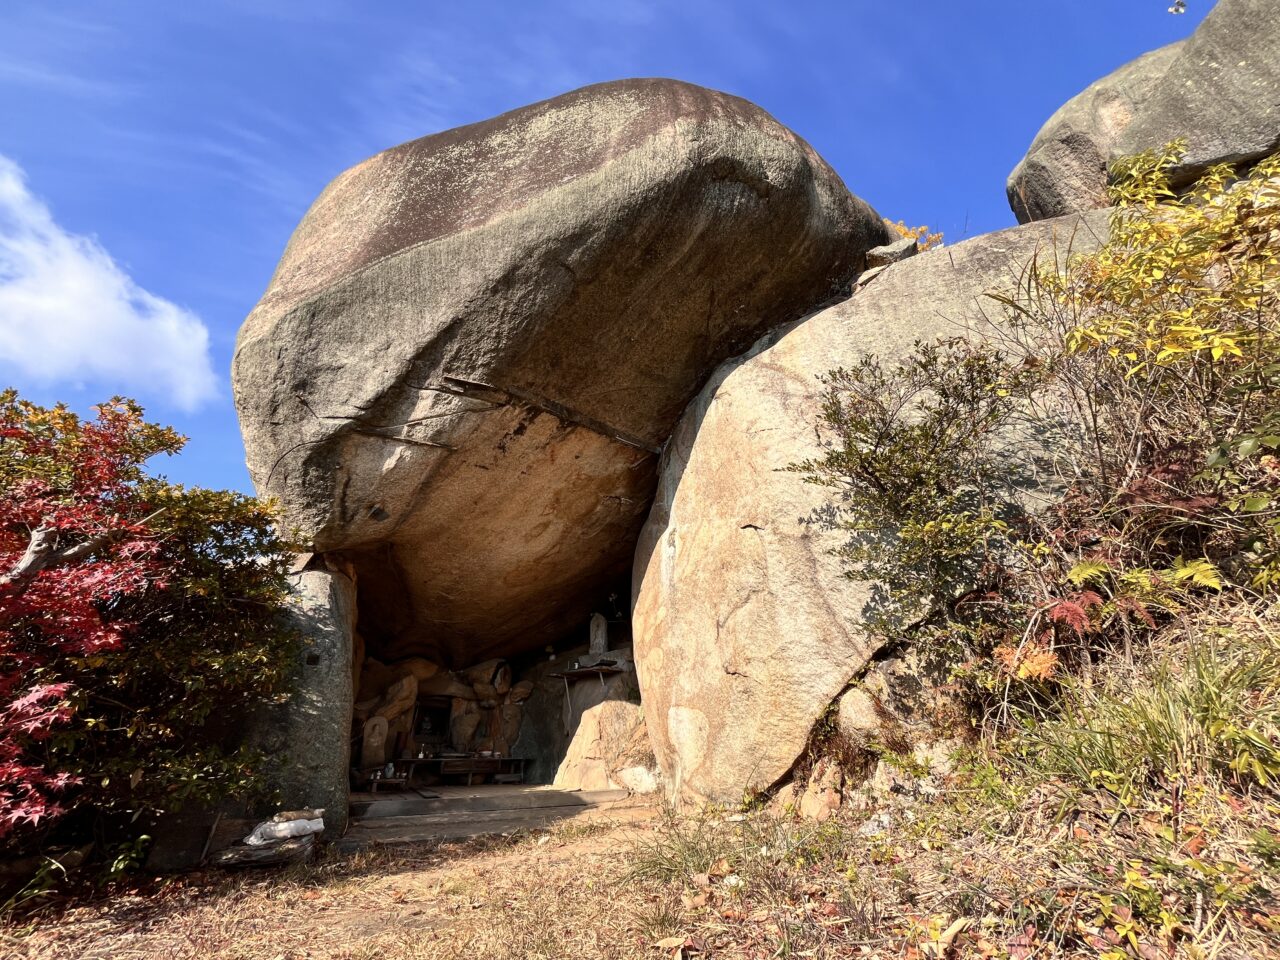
<point x="308" y="738"/>
<point x="1220" y="89"/>
<point x="554" y="709"/>
<point x="860" y="717"/>
<point x="1065" y="169"/>
<point x="903" y="701"/>
<point x="893" y="252"/>
<point x="744" y="629"/>
<point x="476" y="343"/>
<point x="823" y="794"/>
<point x="609" y="750"/>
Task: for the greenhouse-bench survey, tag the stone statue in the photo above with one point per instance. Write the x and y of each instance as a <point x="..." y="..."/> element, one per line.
<point x="599" y="635"/>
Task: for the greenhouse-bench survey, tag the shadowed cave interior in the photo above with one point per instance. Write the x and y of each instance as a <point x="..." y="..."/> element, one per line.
<point x="431" y="708"/>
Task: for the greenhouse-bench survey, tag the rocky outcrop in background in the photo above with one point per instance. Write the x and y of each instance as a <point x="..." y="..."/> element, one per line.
<point x="1219" y="89"/>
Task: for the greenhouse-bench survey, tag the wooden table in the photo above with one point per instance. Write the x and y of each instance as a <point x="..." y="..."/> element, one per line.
<point x="400" y="783"/>
<point x="469" y="767"/>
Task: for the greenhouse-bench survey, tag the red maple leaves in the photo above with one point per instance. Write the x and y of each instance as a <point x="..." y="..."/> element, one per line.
<point x="73" y="544"/>
<point x="1073" y="612"/>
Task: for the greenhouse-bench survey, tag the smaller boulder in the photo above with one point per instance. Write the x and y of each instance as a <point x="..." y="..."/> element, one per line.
<point x="783" y="802"/>
<point x="398" y="698"/>
<point x="421" y="668"/>
<point x="609" y="751"/>
<point x="858" y="717"/>
<point x="824" y="793"/>
<point x="1065" y="168"/>
<point x="1217" y="90"/>
<point x="917" y="775"/>
<point x="746" y="629"/>
<point x="892" y="252"/>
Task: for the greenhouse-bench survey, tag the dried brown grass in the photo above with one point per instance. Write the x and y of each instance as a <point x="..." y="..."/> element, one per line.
<point x="993" y="866"/>
<point x="530" y="895"/>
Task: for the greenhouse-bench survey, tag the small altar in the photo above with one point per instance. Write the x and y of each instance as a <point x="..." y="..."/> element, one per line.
<point x="430" y="771"/>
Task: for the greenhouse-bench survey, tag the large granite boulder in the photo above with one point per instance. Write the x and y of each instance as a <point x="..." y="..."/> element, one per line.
<point x="477" y="342"/>
<point x="745" y="630"/>
<point x="1065" y="169"/>
<point x="1220" y="89"/>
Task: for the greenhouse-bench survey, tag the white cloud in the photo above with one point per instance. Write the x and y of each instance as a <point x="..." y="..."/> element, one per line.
<point x="70" y="315"/>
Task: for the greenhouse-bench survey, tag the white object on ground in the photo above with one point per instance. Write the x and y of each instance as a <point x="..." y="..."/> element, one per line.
<point x="267" y="831"/>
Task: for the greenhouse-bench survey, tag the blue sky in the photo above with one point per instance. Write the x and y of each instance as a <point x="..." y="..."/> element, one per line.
<point x="155" y="155"/>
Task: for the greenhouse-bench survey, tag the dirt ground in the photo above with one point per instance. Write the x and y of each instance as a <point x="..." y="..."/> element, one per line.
<point x="489" y="897"/>
<point x="917" y="876"/>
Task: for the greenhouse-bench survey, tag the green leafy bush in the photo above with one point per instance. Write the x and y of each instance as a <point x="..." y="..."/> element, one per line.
<point x="157" y="721"/>
<point x="924" y="490"/>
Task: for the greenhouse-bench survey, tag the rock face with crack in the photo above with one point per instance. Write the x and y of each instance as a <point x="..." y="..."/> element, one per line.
<point x="609" y="750"/>
<point x="476" y="343"/>
<point x="745" y="630"/>
<point x="1219" y="89"/>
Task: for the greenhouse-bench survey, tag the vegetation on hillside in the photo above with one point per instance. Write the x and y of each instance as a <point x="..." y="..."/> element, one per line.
<point x="1082" y="515"/>
<point x="921" y="234"/>
<point x="133" y="613"/>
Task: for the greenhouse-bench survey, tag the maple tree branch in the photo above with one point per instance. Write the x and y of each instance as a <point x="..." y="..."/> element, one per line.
<point x="36" y="557"/>
<point x="42" y="554"/>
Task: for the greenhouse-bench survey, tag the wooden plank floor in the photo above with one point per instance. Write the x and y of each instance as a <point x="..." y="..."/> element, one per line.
<point x="454" y="811"/>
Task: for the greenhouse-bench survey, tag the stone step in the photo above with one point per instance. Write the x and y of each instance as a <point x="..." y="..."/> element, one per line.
<point x="453" y="825"/>
<point x="481" y="802"/>
<point x="480" y="816"/>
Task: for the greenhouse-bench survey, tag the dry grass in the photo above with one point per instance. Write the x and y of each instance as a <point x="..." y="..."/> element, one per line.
<point x="1156" y="848"/>
<point x="495" y="897"/>
<point x="1023" y="873"/>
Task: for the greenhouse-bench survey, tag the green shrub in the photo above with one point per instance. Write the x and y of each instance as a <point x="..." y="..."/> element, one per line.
<point x="923" y="489"/>
<point x="1140" y="385"/>
<point x="151" y="623"/>
<point x="157" y="721"/>
<point x="1206" y="709"/>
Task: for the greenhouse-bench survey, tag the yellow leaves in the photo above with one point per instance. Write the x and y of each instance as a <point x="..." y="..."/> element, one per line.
<point x="1199" y="572"/>
<point x="1181" y="282"/>
<point x="938" y="941"/>
<point x="1161" y="339"/>
<point x="1033" y="661"/>
<point x="1089" y="571"/>
<point x="924" y="239"/>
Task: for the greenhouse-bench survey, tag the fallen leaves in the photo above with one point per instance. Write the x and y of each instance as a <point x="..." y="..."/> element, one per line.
<point x="695" y="901"/>
<point x="681" y="947"/>
<point x="940" y="947"/>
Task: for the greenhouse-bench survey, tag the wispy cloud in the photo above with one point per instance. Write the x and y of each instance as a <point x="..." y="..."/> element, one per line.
<point x="45" y="50"/>
<point x="17" y="73"/>
<point x="69" y="314"/>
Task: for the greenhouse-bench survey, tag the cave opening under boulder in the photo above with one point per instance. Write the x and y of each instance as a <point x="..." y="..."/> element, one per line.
<point x="429" y="711"/>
